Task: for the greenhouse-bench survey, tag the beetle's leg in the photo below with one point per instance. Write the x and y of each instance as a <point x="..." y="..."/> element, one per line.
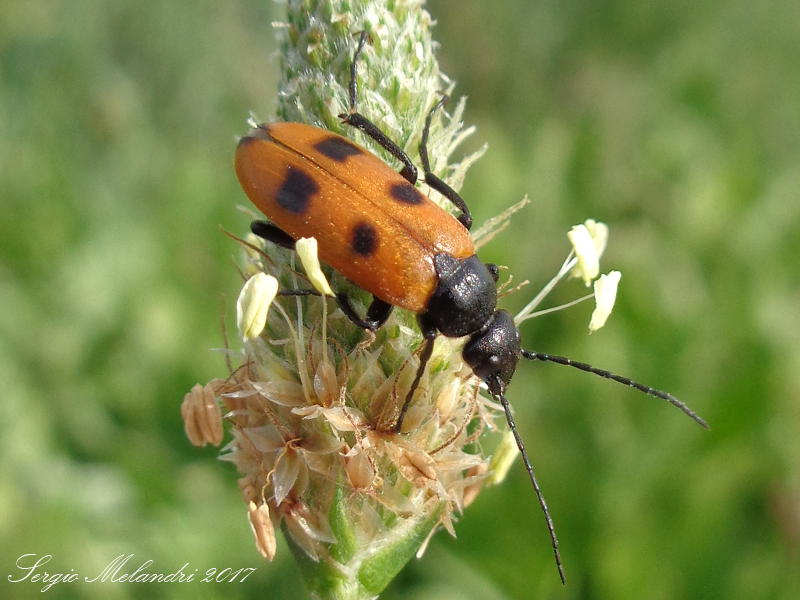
<point x="359" y="121"/>
<point x="377" y="313"/>
<point x="353" y="84"/>
<point x="272" y="233"/>
<point x="432" y="180"/>
<point x="429" y="333"/>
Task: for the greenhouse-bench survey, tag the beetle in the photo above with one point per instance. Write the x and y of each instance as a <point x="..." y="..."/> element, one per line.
<point x="379" y="231"/>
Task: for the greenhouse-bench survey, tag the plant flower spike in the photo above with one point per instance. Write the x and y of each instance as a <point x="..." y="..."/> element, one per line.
<point x="358" y="430"/>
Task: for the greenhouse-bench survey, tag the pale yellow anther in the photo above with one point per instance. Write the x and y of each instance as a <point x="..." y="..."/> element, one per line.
<point x="605" y="293"/>
<point x="588" y="263"/>
<point x="589" y="242"/>
<point x="253" y="304"/>
<point x="253" y="257"/>
<point x="503" y="457"/>
<point x="599" y="233"/>
<point x="306" y="249"/>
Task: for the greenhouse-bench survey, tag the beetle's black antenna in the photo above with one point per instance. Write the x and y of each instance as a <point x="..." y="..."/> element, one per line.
<point x="561" y="360"/>
<point x="529" y="468"/>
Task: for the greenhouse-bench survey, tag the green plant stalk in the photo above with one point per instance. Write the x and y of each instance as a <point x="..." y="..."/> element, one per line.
<point x="398" y="83"/>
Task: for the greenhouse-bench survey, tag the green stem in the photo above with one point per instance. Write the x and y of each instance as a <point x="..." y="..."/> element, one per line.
<point x="398" y="84"/>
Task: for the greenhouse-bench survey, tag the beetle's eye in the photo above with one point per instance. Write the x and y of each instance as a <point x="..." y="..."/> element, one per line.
<point x="494" y="271"/>
<point x="488" y="366"/>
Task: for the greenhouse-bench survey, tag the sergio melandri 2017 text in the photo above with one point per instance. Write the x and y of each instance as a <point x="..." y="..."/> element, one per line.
<point x="118" y="571"/>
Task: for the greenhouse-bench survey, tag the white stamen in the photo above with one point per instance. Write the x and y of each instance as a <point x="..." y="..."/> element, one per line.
<point x="528" y="312"/>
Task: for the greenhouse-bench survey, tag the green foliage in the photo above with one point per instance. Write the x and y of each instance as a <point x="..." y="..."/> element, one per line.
<point x="675" y="123"/>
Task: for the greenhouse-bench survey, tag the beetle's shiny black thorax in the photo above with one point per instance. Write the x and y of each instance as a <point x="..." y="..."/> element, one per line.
<point x="465" y="297"/>
<point x="464" y="303"/>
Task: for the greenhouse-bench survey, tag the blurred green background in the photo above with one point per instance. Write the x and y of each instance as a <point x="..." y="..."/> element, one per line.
<point x="677" y="123"/>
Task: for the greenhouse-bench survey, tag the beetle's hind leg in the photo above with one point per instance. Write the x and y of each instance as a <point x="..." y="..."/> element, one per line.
<point x="432" y="180"/>
<point x="359" y="121"/>
<point x="377" y="313"/>
<point x="272" y="233"/>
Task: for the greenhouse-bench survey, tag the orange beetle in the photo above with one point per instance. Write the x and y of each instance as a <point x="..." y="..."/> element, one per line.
<point x="379" y="231"/>
<point x="376" y="228"/>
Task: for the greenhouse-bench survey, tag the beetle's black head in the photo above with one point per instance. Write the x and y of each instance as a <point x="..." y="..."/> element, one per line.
<point x="465" y="297"/>
<point x="493" y="352"/>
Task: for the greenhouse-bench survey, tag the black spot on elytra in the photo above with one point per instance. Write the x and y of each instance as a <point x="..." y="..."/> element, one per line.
<point x="337" y="148"/>
<point x="406" y="193"/>
<point x="246" y="140"/>
<point x="259" y="133"/>
<point x="364" y="240"/>
<point x="296" y="192"/>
